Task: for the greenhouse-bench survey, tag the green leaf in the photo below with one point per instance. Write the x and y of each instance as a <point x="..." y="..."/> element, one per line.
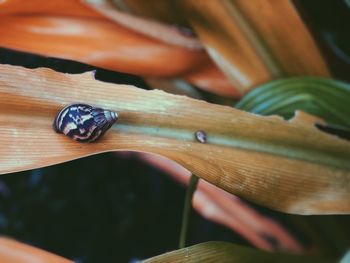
<point x="325" y="98"/>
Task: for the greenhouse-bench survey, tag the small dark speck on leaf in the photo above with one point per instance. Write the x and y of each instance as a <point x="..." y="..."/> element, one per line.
<point x="201" y="136"/>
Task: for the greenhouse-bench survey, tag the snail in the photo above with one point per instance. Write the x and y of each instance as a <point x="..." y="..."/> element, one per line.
<point x="83" y="122"/>
<point x="201" y="136"/>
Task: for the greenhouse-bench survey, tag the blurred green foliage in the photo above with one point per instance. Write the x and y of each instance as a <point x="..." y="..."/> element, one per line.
<point x="325" y="98"/>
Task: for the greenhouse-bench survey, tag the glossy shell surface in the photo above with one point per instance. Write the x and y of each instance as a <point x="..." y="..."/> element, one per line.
<point x="83" y="122"/>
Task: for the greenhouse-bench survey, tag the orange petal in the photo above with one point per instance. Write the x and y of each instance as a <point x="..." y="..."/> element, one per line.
<point x="97" y="42"/>
<point x="250" y="217"/>
<point x="213" y="212"/>
<point x="152" y="28"/>
<point x="211" y="79"/>
<point x="12" y="251"/>
<point x="91" y="38"/>
<point x="52" y="7"/>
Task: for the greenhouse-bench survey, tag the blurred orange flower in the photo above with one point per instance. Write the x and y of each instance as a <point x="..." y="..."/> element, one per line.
<point x="72" y="29"/>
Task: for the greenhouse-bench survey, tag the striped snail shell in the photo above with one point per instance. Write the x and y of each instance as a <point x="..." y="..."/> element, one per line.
<point x="83" y="122"/>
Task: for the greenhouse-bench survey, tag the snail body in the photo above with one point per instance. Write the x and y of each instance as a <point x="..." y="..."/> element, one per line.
<point x="83" y="122"/>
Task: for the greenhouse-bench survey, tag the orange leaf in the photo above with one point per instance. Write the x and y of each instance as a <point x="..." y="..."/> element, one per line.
<point x="12" y="251"/>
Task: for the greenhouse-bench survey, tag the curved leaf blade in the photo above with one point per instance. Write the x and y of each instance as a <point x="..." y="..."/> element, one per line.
<point x="226" y="252"/>
<point x="286" y="166"/>
<point x="326" y="98"/>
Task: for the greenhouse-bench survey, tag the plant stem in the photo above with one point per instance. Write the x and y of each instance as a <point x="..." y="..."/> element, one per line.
<point x="187" y="209"/>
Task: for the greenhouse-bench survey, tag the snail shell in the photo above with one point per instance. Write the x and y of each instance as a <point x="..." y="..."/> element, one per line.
<point x="83" y="122"/>
<point x="201" y="136"/>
